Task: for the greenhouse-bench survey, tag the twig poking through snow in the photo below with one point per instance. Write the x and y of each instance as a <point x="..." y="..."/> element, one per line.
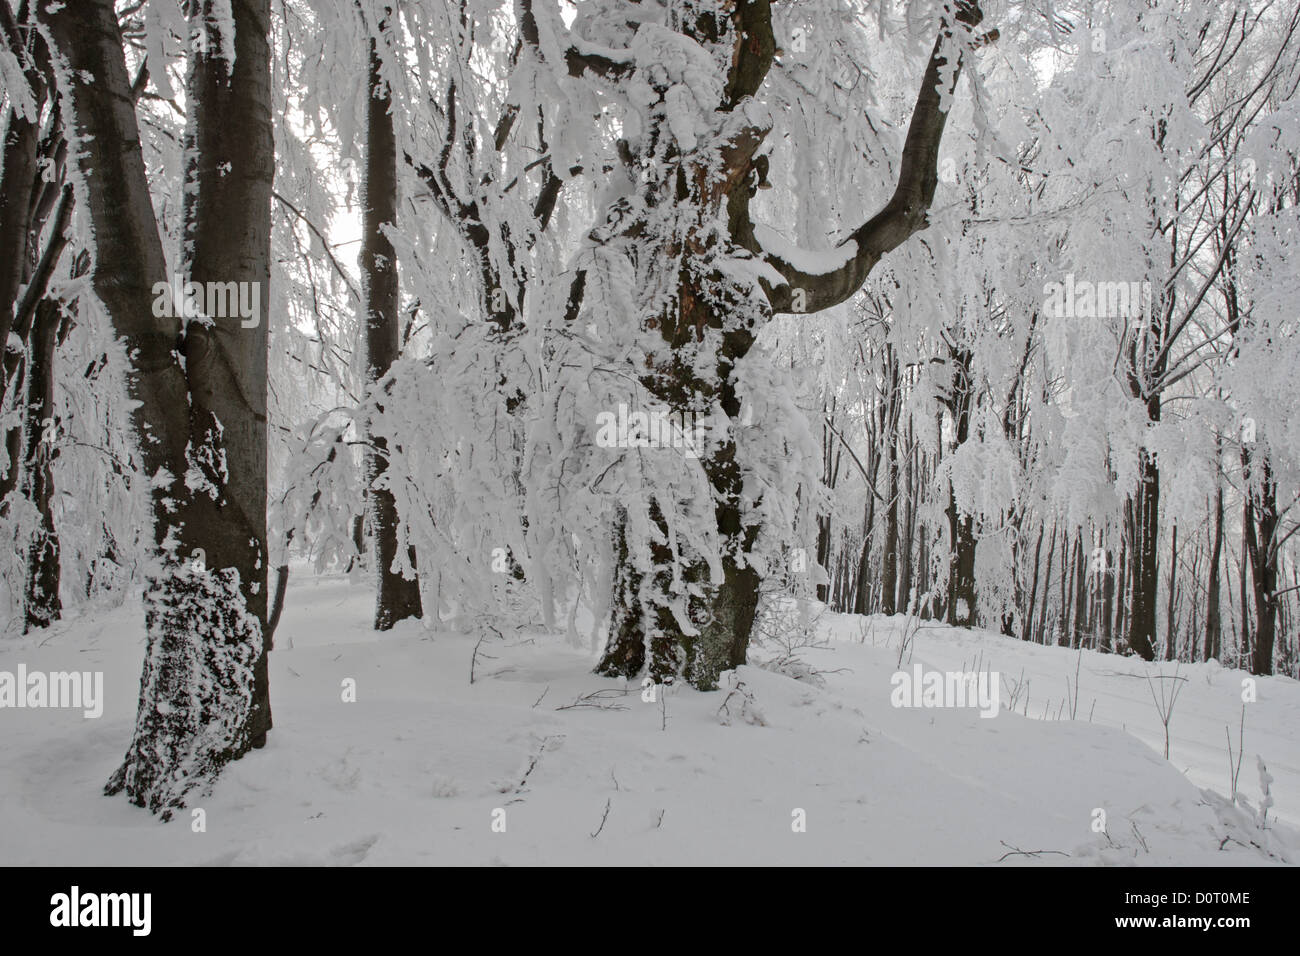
<point x="533" y="761"/>
<point x="604" y="816"/>
<point x="1016" y="851"/>
<point x="1166" y="701"/>
<point x="1234" y="770"/>
<point x="474" y="657"/>
<point x="598" y="699"/>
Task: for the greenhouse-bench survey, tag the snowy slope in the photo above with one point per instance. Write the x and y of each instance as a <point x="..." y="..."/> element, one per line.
<point x="1122" y="692"/>
<point x="412" y="772"/>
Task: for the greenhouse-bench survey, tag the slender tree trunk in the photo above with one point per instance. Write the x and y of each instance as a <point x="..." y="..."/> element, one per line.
<point x="961" y="576"/>
<point x="1194" y="609"/>
<point x="1146" y="526"/>
<point x="1026" y="626"/>
<point x="830" y="476"/>
<point x="1247" y="519"/>
<point x="862" y="593"/>
<point x="961" y="529"/>
<point x="1080" y="591"/>
<point x="889" y="583"/>
<point x="20" y="142"/>
<point x="1121" y="586"/>
<point x="42" y="605"/>
<point x="1109" y="580"/>
<point x="1213" y="619"/>
<point x="1062" y="637"/>
<point x="1047" y="588"/>
<point x="824" y="555"/>
<point x="1261" y="505"/>
<point x="1171" y="633"/>
<point x="906" y="572"/>
<point x="923" y="562"/>
<point x="397" y="595"/>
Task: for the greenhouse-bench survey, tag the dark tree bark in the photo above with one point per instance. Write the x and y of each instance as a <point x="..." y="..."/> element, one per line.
<point x="1144" y="533"/>
<point x="1147" y="360"/>
<point x="625" y="651"/>
<point x="1109" y="575"/>
<point x="1080" y="592"/>
<point x="905" y="570"/>
<point x="1121" y="586"/>
<point x="1026" y="626"/>
<point x="204" y="698"/>
<point x="961" y="527"/>
<point x="34" y="195"/>
<point x="21" y="137"/>
<point x="42" y="605"/>
<point x="889" y="560"/>
<point x="18" y="361"/>
<point x="1243" y="566"/>
<point x="1261" y="548"/>
<point x="862" y="588"/>
<point x="1171" y="633"/>
<point x="397" y="596"/>
<point x="1041" y="637"/>
<point x="1063" y="636"/>
<point x="230" y="164"/>
<point x="27" y="200"/>
<point x="1213" y="618"/>
<point x="832" y="455"/>
<point x="923" y="562"/>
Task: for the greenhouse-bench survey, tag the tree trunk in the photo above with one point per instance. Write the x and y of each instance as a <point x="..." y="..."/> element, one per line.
<point x="397" y="596"/>
<point x="832" y="453"/>
<point x="905" y="570"/>
<point x="1171" y="632"/>
<point x="42" y="605"/>
<point x="20" y="144"/>
<point x="1145" y="580"/>
<point x="1047" y="588"/>
<point x="1080" y="592"/>
<point x="1121" y="580"/>
<point x="709" y="320"/>
<point x="1109" y="579"/>
<point x="1261" y="504"/>
<point x="1213" y="619"/>
<point x="889" y="570"/>
<point x="1247" y="519"/>
<point x="230" y="164"/>
<point x="1026" y="626"/>
<point x="961" y="529"/>
<point x="204" y="698"/>
<point x="862" y="592"/>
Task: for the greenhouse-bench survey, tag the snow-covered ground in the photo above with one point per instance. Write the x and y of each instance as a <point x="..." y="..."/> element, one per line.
<point x="519" y="768"/>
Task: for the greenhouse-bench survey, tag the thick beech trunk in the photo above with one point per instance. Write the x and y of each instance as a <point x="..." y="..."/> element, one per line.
<point x="200" y="424"/>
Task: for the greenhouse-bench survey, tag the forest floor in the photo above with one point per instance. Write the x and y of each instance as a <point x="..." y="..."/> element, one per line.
<point x="427" y="768"/>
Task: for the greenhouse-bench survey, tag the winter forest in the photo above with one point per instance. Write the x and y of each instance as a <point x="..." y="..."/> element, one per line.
<point x="607" y="431"/>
